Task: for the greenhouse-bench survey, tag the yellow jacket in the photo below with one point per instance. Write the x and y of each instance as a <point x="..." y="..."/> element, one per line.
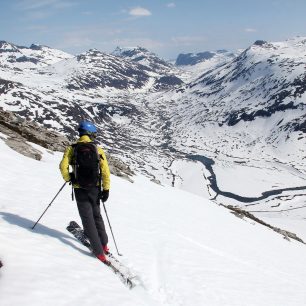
<point x="67" y="160"/>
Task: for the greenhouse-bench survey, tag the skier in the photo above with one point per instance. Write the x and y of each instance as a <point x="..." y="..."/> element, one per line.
<point x="90" y="174"/>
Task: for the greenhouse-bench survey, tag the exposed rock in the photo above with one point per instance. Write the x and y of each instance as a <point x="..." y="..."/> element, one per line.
<point x="23" y="148"/>
<point x="193" y="59"/>
<point x="118" y="168"/>
<point x="154" y="180"/>
<point x="19" y="132"/>
<point x="167" y="82"/>
<point x="243" y="213"/>
<point x="30" y="131"/>
<point x="260" y="42"/>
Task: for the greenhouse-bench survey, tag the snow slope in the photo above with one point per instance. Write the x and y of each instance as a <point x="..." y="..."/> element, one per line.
<point x="187" y="250"/>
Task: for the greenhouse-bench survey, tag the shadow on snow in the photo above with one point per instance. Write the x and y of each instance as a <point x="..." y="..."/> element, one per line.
<point x="40" y="229"/>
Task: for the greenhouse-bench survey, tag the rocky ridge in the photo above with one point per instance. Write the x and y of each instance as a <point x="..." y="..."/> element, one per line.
<point x="20" y="131"/>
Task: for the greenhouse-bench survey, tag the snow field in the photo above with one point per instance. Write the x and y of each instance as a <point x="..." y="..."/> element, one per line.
<point x="187" y="250"/>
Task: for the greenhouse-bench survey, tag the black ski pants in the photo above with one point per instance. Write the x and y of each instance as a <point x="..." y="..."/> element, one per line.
<point x="89" y="209"/>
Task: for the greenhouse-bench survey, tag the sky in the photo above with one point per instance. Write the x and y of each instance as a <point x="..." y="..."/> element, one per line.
<point x="164" y="27"/>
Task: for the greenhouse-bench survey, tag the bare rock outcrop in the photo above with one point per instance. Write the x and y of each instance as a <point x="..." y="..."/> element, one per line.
<point x="118" y="168"/>
<point x="238" y="212"/>
<point x="21" y="129"/>
<point x="19" y="133"/>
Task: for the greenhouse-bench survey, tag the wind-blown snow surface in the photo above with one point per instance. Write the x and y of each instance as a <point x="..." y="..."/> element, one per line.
<point x="187" y="250"/>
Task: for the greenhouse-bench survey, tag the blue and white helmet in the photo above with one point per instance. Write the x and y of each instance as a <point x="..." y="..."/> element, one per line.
<point x="86" y="128"/>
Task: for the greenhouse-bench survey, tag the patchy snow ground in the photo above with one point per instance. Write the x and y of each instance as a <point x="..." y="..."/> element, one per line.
<point x="187" y="250"/>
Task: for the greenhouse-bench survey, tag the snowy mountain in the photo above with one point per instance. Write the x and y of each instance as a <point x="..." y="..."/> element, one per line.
<point x="264" y="84"/>
<point x="169" y="74"/>
<point x="144" y="57"/>
<point x="240" y="118"/>
<point x="268" y="77"/>
<point x="97" y="70"/>
<point x="20" y="57"/>
<point x="191" y="59"/>
<point x="48" y="94"/>
<point x="195" y="64"/>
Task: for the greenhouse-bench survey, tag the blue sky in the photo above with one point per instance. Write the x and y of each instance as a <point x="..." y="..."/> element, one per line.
<point x="164" y="27"/>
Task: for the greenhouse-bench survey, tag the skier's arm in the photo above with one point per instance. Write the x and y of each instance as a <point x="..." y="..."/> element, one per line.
<point x="64" y="165"/>
<point x="104" y="170"/>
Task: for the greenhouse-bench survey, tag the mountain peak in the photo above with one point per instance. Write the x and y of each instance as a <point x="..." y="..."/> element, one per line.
<point x="130" y="51"/>
<point x="92" y="55"/>
<point x="260" y="42"/>
<point x="7" y="47"/>
<point x="149" y="60"/>
<point x="37" y="47"/>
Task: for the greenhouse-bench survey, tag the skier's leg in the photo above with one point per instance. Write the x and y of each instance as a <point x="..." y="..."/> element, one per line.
<point x="100" y="225"/>
<point x="95" y="202"/>
<point x="86" y="213"/>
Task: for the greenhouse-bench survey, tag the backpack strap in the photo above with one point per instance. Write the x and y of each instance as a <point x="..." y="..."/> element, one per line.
<point x="73" y="146"/>
<point x="100" y="173"/>
<point x="100" y="156"/>
<point x="73" y="169"/>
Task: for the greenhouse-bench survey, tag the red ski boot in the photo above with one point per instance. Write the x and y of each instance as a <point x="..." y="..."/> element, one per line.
<point x="102" y="258"/>
<point x="105" y="249"/>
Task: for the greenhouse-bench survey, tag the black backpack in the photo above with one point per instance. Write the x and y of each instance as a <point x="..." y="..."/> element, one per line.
<point x="86" y="164"/>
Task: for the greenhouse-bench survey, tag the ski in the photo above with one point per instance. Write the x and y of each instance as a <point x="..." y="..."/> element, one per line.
<point x="124" y="273"/>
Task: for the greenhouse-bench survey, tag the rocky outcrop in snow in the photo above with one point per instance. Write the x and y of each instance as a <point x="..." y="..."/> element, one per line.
<point x="20" y="131"/>
<point x="237" y="211"/>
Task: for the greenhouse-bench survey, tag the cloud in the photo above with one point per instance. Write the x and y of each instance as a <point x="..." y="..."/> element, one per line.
<point x="250" y="30"/>
<point x="41" y="9"/>
<point x="28" y="5"/>
<point x="171" y="5"/>
<point x="139" y="11"/>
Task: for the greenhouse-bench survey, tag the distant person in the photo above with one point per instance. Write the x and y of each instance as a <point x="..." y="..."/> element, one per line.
<point x="90" y="177"/>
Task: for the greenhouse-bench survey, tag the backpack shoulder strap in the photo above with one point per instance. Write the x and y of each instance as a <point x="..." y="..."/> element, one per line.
<point x="96" y="146"/>
<point x="73" y="146"/>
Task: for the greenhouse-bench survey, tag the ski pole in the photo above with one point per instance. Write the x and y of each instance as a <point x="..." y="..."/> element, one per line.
<point x="49" y="205"/>
<point x="111" y="229"/>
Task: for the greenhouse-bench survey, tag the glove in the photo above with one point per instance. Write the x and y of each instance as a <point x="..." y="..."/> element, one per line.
<point x="104" y="195"/>
<point x="72" y="178"/>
